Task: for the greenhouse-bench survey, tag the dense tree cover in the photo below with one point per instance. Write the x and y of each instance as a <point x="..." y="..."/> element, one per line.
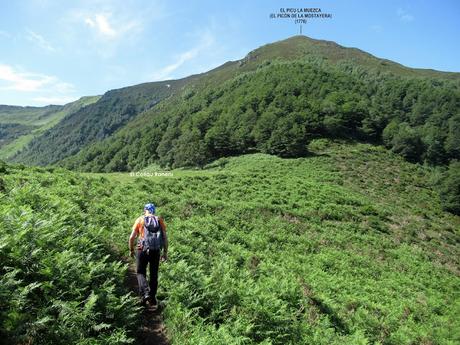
<point x="94" y="122"/>
<point x="279" y="108"/>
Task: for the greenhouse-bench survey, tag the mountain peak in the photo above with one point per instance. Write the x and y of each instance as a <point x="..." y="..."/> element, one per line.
<point x="301" y="46"/>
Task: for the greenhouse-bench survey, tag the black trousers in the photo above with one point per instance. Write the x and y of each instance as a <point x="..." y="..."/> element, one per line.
<point x="152" y="259"/>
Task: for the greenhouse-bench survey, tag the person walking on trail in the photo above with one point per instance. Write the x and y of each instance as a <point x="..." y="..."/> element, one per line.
<point x="151" y="233"/>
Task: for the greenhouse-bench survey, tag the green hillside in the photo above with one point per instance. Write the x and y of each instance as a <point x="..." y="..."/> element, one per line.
<point x="27" y="115"/>
<point x="16" y="121"/>
<point x="302" y="46"/>
<point x="281" y="97"/>
<point x="275" y="100"/>
<point x="19" y="125"/>
<point x="95" y="122"/>
<point x="347" y="246"/>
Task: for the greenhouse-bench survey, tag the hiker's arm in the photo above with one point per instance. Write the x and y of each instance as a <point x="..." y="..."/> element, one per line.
<point x="132" y="237"/>
<point x="131" y="241"/>
<point x="163" y="229"/>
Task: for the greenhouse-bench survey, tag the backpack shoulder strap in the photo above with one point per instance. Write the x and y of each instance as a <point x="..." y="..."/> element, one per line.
<point x="156" y="220"/>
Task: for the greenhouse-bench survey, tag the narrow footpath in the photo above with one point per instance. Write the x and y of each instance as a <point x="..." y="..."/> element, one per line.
<point x="151" y="330"/>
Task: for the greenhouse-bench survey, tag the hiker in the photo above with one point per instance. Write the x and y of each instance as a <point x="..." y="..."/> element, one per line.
<point x="151" y="232"/>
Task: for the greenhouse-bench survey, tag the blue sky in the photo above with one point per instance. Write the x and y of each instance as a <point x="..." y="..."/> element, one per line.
<point x="55" y="51"/>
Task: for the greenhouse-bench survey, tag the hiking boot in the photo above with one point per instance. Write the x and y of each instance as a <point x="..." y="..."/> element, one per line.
<point x="153" y="301"/>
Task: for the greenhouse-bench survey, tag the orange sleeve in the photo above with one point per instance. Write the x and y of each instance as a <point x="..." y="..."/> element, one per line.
<point x="137" y="225"/>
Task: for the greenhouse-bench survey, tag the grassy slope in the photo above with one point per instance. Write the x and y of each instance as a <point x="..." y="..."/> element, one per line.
<point x="328" y="249"/>
<point x="347" y="246"/>
<point x="41" y="118"/>
<point x="302" y="46"/>
<point x="18" y="121"/>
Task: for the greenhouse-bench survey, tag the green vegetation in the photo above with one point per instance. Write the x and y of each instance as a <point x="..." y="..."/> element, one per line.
<point x="27" y="115"/>
<point x="278" y="108"/>
<point x="19" y="125"/>
<point x="450" y="188"/>
<point x="59" y="283"/>
<point x="17" y="121"/>
<point x="11" y="131"/>
<point x="347" y="246"/>
<point x="95" y="122"/>
<point x="302" y="46"/>
<point x="274" y="100"/>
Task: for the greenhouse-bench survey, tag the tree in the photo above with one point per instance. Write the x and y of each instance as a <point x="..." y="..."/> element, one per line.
<point x="408" y="143"/>
<point x="289" y="138"/>
<point x="217" y="139"/>
<point x="190" y="150"/>
<point x="450" y="188"/>
<point x="452" y="144"/>
<point x="165" y="148"/>
<point x="433" y="140"/>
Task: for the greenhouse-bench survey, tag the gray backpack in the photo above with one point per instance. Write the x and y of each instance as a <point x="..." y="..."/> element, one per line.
<point x="153" y="235"/>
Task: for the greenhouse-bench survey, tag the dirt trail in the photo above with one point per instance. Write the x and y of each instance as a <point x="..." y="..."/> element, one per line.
<point x="152" y="330"/>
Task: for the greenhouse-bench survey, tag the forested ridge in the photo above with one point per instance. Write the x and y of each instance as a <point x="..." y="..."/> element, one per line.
<point x="94" y="122"/>
<point x="280" y="106"/>
<point x="20" y="125"/>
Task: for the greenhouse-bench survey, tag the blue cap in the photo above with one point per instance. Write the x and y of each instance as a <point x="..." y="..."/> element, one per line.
<point x="150" y="207"/>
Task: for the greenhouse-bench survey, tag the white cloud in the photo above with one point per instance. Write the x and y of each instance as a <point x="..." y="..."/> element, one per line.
<point x="166" y="72"/>
<point x="102" y="25"/>
<point x="44" y="87"/>
<point x="404" y="16"/>
<point x="22" y="81"/>
<point x="106" y="27"/>
<point x="39" y="40"/>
